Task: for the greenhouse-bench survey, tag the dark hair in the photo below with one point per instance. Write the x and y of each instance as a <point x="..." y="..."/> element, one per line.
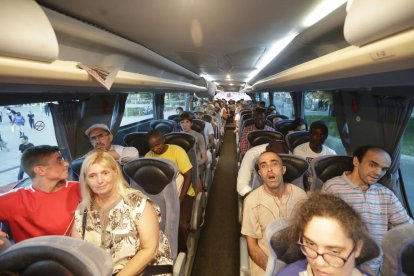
<point x="186" y="116"/>
<point x="360" y="152"/>
<point x="327" y="205"/>
<point x="36" y="156"/>
<point x="319" y="124"/>
<point x="25" y="137"/>
<point x="179" y="108"/>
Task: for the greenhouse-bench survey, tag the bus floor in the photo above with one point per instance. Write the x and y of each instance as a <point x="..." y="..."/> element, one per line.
<point x="218" y="248"/>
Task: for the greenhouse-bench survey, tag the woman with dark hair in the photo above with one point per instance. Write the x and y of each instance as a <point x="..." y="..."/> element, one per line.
<point x="332" y="237"/>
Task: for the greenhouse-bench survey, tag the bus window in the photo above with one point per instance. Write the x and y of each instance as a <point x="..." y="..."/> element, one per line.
<point x="318" y="106"/>
<point x="283" y="103"/>
<point x="39" y="131"/>
<point x="138" y="107"/>
<point x="407" y="162"/>
<point x="265" y="97"/>
<point x="172" y="101"/>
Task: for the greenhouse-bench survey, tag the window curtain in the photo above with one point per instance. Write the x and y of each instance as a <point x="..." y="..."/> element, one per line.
<point x="395" y="114"/>
<point x="66" y="117"/>
<point x="340" y="115"/>
<point x="298" y="104"/>
<point x="118" y="112"/>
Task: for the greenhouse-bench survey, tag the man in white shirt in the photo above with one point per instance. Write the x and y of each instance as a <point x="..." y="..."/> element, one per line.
<point x="318" y="133"/>
<point x="101" y="139"/>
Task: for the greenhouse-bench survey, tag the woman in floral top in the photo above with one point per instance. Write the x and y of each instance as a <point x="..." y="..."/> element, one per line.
<point x="119" y="219"/>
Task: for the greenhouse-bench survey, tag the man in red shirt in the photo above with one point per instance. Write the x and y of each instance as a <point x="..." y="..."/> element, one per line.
<point x="47" y="206"/>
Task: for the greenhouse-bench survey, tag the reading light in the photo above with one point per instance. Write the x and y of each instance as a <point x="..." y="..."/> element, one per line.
<point x="324" y="8"/>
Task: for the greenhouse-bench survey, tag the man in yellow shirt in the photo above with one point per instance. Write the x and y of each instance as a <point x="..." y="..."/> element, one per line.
<point x="176" y="154"/>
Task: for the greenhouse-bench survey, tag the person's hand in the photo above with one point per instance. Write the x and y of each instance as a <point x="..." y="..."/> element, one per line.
<point x="2" y="235"/>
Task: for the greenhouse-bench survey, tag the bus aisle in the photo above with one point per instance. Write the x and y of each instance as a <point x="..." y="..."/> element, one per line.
<point x="218" y="248"/>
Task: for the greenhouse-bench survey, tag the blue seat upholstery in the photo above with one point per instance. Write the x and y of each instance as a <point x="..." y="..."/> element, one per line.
<point x="326" y="167"/>
<point x="164" y="126"/>
<point x="138" y="140"/>
<point x="155" y="177"/>
<point x="260" y="137"/>
<point x="296" y="138"/>
<point x="398" y="248"/>
<point x="56" y="255"/>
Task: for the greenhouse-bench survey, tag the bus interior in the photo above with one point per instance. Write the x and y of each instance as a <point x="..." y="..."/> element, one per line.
<point x="127" y="64"/>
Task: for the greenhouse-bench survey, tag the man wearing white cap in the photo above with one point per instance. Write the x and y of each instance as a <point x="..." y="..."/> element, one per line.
<point x="101" y="139"/>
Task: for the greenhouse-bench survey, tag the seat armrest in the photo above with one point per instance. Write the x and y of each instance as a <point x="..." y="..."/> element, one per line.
<point x="244" y="258"/>
<point x="197" y="215"/>
<point x="179" y="265"/>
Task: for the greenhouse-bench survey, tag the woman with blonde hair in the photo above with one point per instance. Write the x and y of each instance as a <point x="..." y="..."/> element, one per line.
<point x="119" y="219"/>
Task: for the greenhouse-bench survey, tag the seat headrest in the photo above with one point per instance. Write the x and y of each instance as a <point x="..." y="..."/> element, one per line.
<point x="184" y="140"/>
<point x="152" y="174"/>
<point x="330" y="166"/>
<point x="297" y="138"/>
<point x="76" y="166"/>
<point x="398" y="247"/>
<point x="295" y="167"/>
<point x="164" y="126"/>
<point x="138" y="140"/>
<point x="198" y="125"/>
<point x="260" y="137"/>
<point x="55" y="253"/>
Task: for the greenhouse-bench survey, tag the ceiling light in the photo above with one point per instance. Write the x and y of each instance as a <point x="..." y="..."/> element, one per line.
<point x="324" y="8"/>
<point x="271" y="54"/>
<point x="228" y="76"/>
<point x="207" y="77"/>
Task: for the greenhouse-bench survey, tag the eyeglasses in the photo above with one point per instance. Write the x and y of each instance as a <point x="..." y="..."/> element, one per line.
<point x="331" y="259"/>
<point x="98" y="137"/>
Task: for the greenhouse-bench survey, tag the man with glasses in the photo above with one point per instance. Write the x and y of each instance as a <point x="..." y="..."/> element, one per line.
<point x="101" y="140"/>
<point x="47" y="206"/>
<point x="377" y="205"/>
<point x="271" y="201"/>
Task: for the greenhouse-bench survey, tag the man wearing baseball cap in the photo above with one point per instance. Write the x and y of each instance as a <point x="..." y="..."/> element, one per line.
<point x="101" y="139"/>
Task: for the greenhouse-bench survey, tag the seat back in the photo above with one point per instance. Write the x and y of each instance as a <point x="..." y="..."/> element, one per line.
<point x="75" y="167"/>
<point x="281" y="251"/>
<point x="187" y="142"/>
<point x="164" y="126"/>
<point x="279" y="124"/>
<point x="176" y="119"/>
<point x="155" y="177"/>
<point x="295" y="170"/>
<point x="198" y="125"/>
<point x="260" y="137"/>
<point x="55" y="255"/>
<point x="326" y="167"/>
<point x="398" y="248"/>
<point x="138" y="140"/>
<point x="296" y="138"/>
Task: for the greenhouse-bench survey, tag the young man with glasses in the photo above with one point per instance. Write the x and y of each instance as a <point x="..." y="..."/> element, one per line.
<point x="101" y="138"/>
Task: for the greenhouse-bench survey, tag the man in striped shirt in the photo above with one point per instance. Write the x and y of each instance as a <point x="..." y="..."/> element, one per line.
<point x="377" y="205"/>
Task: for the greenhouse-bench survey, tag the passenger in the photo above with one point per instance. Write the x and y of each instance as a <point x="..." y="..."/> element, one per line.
<point x="179" y="110"/>
<point x="22" y="147"/>
<point x="378" y="206"/>
<point x="208" y="128"/>
<point x="101" y="139"/>
<point x="119" y="219"/>
<point x="332" y="237"/>
<point x="318" y="133"/>
<point x="275" y="199"/>
<point x="47" y="206"/>
<point x="246" y="170"/>
<point x="186" y="121"/>
<point x="176" y="154"/>
<point x="259" y="124"/>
